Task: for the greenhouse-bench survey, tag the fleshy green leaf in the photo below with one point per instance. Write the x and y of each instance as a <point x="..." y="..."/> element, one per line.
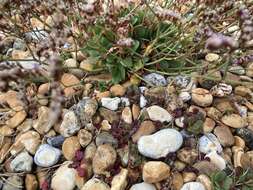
<point x="127" y="62"/>
<point x="227" y="183"/>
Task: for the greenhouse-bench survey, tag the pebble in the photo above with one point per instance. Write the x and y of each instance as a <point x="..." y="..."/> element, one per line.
<point x="234" y="121"/>
<point x="243" y="91"/>
<point x="56" y="141"/>
<point x="19" y="44"/>
<point x="109" y="115"/>
<point x="205" y="167"/>
<point x="205" y="180"/>
<point x="85" y="109"/>
<point x="101" y="163"/>
<point x="184" y="96"/>
<point x="155" y="79"/>
<point x="111" y="103"/>
<point x="160" y="143"/>
<point x="70" y="146"/>
<point x="143" y="101"/>
<point x="202" y="97"/>
<point x="36" y="36"/>
<point x="182" y="81"/>
<point x="217" y="160"/>
<point x="31" y="182"/>
<point x="117" y="90"/>
<point x="119" y="181"/>
<point x="187" y="155"/>
<point x="47" y="156"/>
<point x="22" y="163"/>
<point x="189" y="176"/>
<point x="42" y="124"/>
<point x="249" y="70"/>
<point x="146" y="128"/>
<point x="95" y="184"/>
<point x="126" y="115"/>
<point x="143" y="186"/>
<point x="157" y="113"/>
<point x="6" y="131"/>
<point x="237" y="69"/>
<point x="70" y="82"/>
<point x="84" y="137"/>
<point x="30" y="140"/>
<point x="180" y="121"/>
<point x="221" y="90"/>
<point x="209" y="143"/>
<point x="16" y="119"/>
<point x="208" y="83"/>
<point x="247" y="135"/>
<point x="72" y="67"/>
<point x="212" y="57"/>
<point x="70" y="124"/>
<point x="155" y="171"/>
<point x="90" y="151"/>
<point x="100" y="95"/>
<point x="177" y="180"/>
<point x="224" y="136"/>
<point x="193" y="186"/>
<point x="143" y="89"/>
<point x="106" y="138"/>
<point x="208" y="125"/>
<point x="13" y="183"/>
<point x="239" y="142"/>
<point x="125" y="101"/>
<point x="247" y="160"/>
<point x="105" y="125"/>
<point x="135" y="111"/>
<point x="64" y="178"/>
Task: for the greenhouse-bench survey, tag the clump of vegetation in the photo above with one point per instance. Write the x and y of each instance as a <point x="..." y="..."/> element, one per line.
<point x="238" y="179"/>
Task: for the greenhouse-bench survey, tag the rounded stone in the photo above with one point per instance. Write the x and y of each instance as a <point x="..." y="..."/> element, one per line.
<point x="70" y="124"/>
<point x="202" y="97"/>
<point x="126" y="115"/>
<point x="56" y="141"/>
<point x="193" y="186"/>
<point x="209" y="143"/>
<point x="30" y="140"/>
<point x="31" y="182"/>
<point x="64" y="178"/>
<point x="22" y="163"/>
<point x="84" y="137"/>
<point x="155" y="171"/>
<point x="155" y="79"/>
<point x="117" y="90"/>
<point x="111" y="103"/>
<point x="234" y="121"/>
<point x="160" y="143"/>
<point x="224" y="135"/>
<point x="217" y="160"/>
<point x="101" y="163"/>
<point x="106" y="138"/>
<point x="47" y="155"/>
<point x="70" y="146"/>
<point x="95" y="184"/>
<point x="157" y="113"/>
<point x="143" y="186"/>
<point x="184" y="96"/>
<point x="221" y="90"/>
<point x="212" y="57"/>
<point x="146" y="128"/>
<point x="249" y="70"/>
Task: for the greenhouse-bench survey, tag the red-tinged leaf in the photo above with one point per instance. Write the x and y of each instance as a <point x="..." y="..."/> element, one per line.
<point x="78" y="155"/>
<point x="81" y="171"/>
<point x="45" y="185"/>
